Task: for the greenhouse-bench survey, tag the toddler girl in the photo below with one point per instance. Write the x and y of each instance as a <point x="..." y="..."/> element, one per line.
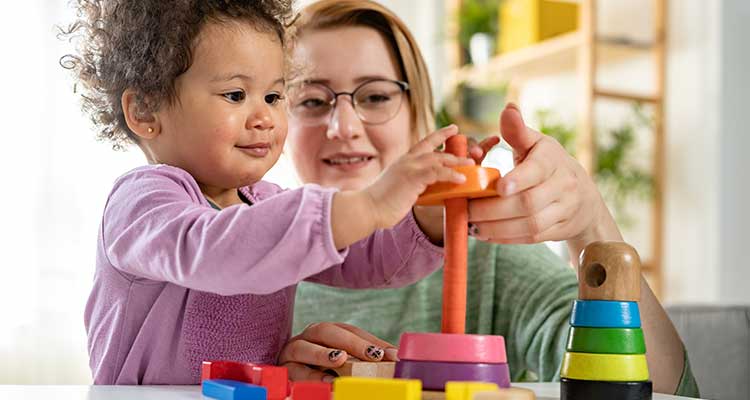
<point x="197" y="257"/>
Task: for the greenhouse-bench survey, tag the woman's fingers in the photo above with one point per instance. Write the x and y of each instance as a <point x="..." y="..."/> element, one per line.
<point x="478" y="151"/>
<point x="530" y="227"/>
<point x="334" y="336"/>
<point x="301" y="372"/>
<point x="522" y="204"/>
<point x="305" y="352"/>
<point x="391" y="352"/>
<point x="539" y="165"/>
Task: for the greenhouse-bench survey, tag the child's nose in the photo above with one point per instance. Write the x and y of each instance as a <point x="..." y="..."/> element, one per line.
<point x="345" y="123"/>
<point x="261" y="120"/>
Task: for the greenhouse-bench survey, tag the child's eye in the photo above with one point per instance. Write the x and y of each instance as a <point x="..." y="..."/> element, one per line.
<point x="273" y="98"/>
<point x="235" y="97"/>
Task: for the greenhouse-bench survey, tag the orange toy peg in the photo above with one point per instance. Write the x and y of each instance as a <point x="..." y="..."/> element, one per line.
<point x="456" y="251"/>
<point x="480" y="182"/>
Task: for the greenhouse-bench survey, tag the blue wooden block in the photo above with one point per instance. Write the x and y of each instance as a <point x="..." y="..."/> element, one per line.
<point x="224" y="389"/>
<point x="605" y="314"/>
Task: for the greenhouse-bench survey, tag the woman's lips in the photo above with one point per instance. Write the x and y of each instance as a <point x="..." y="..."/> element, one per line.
<point x="348" y="162"/>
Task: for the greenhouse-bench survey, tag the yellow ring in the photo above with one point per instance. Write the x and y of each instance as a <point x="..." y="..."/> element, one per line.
<point x="605" y="367"/>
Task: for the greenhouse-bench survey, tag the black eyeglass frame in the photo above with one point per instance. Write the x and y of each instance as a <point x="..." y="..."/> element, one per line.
<point x="404" y="86"/>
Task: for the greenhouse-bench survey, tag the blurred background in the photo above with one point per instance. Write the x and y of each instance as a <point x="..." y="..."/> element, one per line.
<point x="648" y="94"/>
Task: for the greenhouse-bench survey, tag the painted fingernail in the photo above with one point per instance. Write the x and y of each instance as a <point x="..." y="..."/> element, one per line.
<point x="335" y="355"/>
<point x="473" y="230"/>
<point x="391" y="354"/>
<point x="328" y="378"/>
<point x="374" y="352"/>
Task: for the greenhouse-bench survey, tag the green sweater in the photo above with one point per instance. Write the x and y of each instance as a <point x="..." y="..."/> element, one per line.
<point x="522" y="292"/>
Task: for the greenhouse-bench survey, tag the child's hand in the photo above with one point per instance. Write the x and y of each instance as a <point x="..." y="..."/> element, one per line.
<point x="396" y="190"/>
<point x="328" y="345"/>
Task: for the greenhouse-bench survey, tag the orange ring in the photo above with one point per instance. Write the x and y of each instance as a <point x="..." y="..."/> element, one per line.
<point x="480" y="182"/>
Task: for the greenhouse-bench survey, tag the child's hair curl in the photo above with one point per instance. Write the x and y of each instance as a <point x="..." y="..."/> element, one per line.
<point x="144" y="45"/>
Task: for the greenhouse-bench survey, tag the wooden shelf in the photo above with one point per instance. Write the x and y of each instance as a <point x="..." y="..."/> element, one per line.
<point x="625" y="96"/>
<point x="557" y="55"/>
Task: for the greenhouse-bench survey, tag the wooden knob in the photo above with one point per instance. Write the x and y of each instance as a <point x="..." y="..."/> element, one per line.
<point x="609" y="271"/>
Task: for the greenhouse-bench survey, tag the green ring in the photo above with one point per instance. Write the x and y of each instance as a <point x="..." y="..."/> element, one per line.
<point x="606" y="340"/>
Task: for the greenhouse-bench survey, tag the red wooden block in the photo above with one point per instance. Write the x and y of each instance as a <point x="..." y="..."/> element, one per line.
<point x="232" y="370"/>
<point x="311" y="391"/>
<point x="273" y="378"/>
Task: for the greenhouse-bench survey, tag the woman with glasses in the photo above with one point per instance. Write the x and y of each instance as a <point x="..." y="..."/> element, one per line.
<point x="359" y="97"/>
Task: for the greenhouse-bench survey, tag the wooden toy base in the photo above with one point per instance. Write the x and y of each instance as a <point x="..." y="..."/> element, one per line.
<point x="573" y="389"/>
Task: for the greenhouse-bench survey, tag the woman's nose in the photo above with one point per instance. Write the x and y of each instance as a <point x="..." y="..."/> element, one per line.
<point x="345" y="123"/>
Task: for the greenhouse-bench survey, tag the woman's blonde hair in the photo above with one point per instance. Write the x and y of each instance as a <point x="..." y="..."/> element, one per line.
<point x="328" y="14"/>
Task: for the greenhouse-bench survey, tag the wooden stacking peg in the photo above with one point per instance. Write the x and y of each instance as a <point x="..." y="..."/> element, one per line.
<point x="480" y="182"/>
<point x="609" y="270"/>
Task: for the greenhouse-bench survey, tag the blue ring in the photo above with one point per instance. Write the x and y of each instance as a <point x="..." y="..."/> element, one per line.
<point x="605" y="314"/>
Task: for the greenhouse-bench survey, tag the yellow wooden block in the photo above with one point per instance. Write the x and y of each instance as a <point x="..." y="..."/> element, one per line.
<point x="466" y="390"/>
<point x="351" y="388"/>
<point x="525" y="22"/>
<point x="605" y="367"/>
<point x="513" y="393"/>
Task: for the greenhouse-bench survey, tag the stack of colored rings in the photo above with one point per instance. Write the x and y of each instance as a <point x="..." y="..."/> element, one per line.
<point x="436" y="358"/>
<point x="606" y="353"/>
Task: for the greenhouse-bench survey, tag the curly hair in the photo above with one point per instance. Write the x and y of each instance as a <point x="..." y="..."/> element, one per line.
<point x="144" y="45"/>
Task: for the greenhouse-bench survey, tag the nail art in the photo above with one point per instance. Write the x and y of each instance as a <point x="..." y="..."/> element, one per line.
<point x="334" y="355"/>
<point x="473" y="230"/>
<point x="375" y="353"/>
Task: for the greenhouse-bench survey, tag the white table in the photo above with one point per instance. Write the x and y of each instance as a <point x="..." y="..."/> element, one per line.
<point x="544" y="391"/>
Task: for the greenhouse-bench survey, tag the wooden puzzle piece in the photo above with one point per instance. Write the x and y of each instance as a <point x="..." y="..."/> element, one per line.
<point x="225" y="389"/>
<point x="604" y="367"/>
<point x="605" y="314"/>
<point x="512" y="393"/>
<point x="572" y="389"/>
<point x="352" y="388"/>
<point x="312" y="390"/>
<point x="359" y="368"/>
<point x="609" y="271"/>
<point x="488" y="349"/>
<point x="466" y="390"/>
<point x="434" y="374"/>
<point x="606" y="340"/>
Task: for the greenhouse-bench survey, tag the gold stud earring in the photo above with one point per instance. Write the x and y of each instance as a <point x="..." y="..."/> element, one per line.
<point x="150" y="130"/>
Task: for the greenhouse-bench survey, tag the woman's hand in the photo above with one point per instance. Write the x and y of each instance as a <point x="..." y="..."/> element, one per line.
<point x="547" y="196"/>
<point x="327" y="345"/>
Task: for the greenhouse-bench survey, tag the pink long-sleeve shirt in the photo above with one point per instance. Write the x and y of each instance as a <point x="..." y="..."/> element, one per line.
<point x="178" y="282"/>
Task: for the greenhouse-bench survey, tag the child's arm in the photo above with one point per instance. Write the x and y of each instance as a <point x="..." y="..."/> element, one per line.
<point x="357" y="214"/>
<point x="402" y="254"/>
<point x="157" y="226"/>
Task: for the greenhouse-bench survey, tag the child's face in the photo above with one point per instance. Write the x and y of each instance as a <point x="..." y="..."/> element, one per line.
<point x="228" y="125"/>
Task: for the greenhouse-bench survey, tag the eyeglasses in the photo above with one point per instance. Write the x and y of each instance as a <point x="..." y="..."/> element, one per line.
<point x="376" y="101"/>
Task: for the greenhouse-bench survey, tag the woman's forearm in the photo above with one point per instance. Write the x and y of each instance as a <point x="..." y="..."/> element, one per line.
<point x="664" y="348"/>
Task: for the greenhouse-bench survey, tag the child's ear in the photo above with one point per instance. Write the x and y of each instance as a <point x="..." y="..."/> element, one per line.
<point x="141" y="121"/>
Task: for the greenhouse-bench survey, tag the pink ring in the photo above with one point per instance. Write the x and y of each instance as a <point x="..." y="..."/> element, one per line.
<point x="448" y="347"/>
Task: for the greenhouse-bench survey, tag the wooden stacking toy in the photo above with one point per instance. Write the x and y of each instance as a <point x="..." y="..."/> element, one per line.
<point x="606" y="353"/>
<point x="436" y="358"/>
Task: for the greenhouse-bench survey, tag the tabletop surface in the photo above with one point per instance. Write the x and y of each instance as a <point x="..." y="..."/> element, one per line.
<point x="544" y="391"/>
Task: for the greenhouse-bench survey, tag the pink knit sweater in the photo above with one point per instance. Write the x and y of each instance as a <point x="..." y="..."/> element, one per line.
<point x="178" y="282"/>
